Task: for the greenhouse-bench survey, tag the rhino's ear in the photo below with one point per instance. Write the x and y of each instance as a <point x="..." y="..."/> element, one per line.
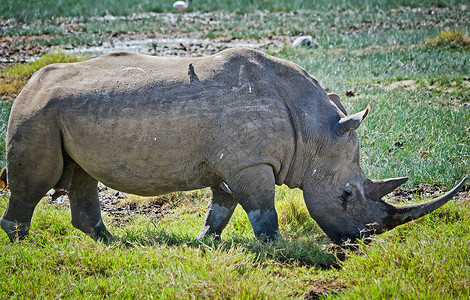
<point x="350" y="123"/>
<point x="335" y="99"/>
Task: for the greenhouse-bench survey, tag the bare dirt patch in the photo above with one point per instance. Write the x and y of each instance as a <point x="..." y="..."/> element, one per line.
<point x="319" y="288"/>
<point x="121" y="211"/>
<point x="122" y="208"/>
<point x="182" y="46"/>
<point x="427" y="191"/>
<point x="409" y="85"/>
<point x="19" y="50"/>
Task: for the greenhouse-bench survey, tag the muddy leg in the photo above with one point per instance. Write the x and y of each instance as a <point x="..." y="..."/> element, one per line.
<point x="220" y="210"/>
<point x="85" y="206"/>
<point x="254" y="189"/>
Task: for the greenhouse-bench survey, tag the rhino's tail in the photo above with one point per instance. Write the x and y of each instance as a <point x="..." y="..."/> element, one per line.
<point x="3" y="179"/>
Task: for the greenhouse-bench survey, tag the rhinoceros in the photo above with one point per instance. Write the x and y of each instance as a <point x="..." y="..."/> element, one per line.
<point x="238" y="122"/>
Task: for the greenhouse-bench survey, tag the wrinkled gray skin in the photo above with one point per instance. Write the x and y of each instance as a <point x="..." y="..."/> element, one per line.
<point x="239" y="122"/>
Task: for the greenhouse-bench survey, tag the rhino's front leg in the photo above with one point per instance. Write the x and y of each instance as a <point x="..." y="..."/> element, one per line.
<point x="220" y="210"/>
<point x="254" y="188"/>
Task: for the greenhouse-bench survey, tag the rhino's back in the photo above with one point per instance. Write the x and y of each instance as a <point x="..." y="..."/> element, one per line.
<point x="152" y="125"/>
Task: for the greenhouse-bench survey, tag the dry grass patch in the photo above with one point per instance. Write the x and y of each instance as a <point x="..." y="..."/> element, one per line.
<point x="409" y="85"/>
<point x="453" y="39"/>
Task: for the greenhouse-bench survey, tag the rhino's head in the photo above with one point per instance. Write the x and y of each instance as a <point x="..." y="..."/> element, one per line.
<point x="345" y="204"/>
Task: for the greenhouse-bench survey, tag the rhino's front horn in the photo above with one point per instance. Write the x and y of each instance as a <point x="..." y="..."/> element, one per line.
<point x="376" y="189"/>
<point x="350" y="123"/>
<point x="402" y="214"/>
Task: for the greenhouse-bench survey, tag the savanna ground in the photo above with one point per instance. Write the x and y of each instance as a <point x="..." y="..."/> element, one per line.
<point x="409" y="60"/>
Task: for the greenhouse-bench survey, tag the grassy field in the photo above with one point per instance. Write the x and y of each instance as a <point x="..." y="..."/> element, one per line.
<point x="410" y="60"/>
<point x="31" y="11"/>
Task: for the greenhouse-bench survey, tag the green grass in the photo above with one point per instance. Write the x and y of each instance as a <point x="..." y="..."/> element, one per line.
<point x="340" y="25"/>
<point x="427" y="259"/>
<point x="33" y="10"/>
<point x="160" y="258"/>
<point x="422" y="131"/>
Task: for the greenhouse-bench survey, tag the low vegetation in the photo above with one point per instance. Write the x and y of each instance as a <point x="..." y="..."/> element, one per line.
<point x="426" y="259"/>
<point x="31" y="11"/>
<point x="454" y="39"/>
<point x="408" y="63"/>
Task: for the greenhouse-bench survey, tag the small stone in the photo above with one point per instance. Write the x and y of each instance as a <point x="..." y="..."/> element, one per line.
<point x="305" y="41"/>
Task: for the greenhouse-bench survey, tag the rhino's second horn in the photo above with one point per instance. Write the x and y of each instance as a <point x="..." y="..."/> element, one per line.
<point x="376" y="189"/>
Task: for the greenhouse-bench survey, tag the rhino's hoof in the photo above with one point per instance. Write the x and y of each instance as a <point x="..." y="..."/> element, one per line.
<point x="206" y="233"/>
<point x="268" y="238"/>
<point x="105" y="237"/>
<point x="101" y="234"/>
<point x="15" y="230"/>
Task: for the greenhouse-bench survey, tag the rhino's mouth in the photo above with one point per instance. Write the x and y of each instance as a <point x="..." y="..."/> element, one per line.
<point x="359" y="234"/>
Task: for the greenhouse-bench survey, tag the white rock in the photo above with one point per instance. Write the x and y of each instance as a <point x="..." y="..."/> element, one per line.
<point x="306" y="41"/>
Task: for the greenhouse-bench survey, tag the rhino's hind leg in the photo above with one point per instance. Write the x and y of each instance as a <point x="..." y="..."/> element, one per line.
<point x="254" y="188"/>
<point x="17" y="217"/>
<point x="220" y="210"/>
<point x="30" y="175"/>
<point x="85" y="206"/>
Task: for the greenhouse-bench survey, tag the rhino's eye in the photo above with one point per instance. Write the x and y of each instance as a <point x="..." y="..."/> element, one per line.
<point x="346" y="195"/>
<point x="345" y="198"/>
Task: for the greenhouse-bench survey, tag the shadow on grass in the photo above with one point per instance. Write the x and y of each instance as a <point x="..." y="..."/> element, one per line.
<point x="304" y="252"/>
